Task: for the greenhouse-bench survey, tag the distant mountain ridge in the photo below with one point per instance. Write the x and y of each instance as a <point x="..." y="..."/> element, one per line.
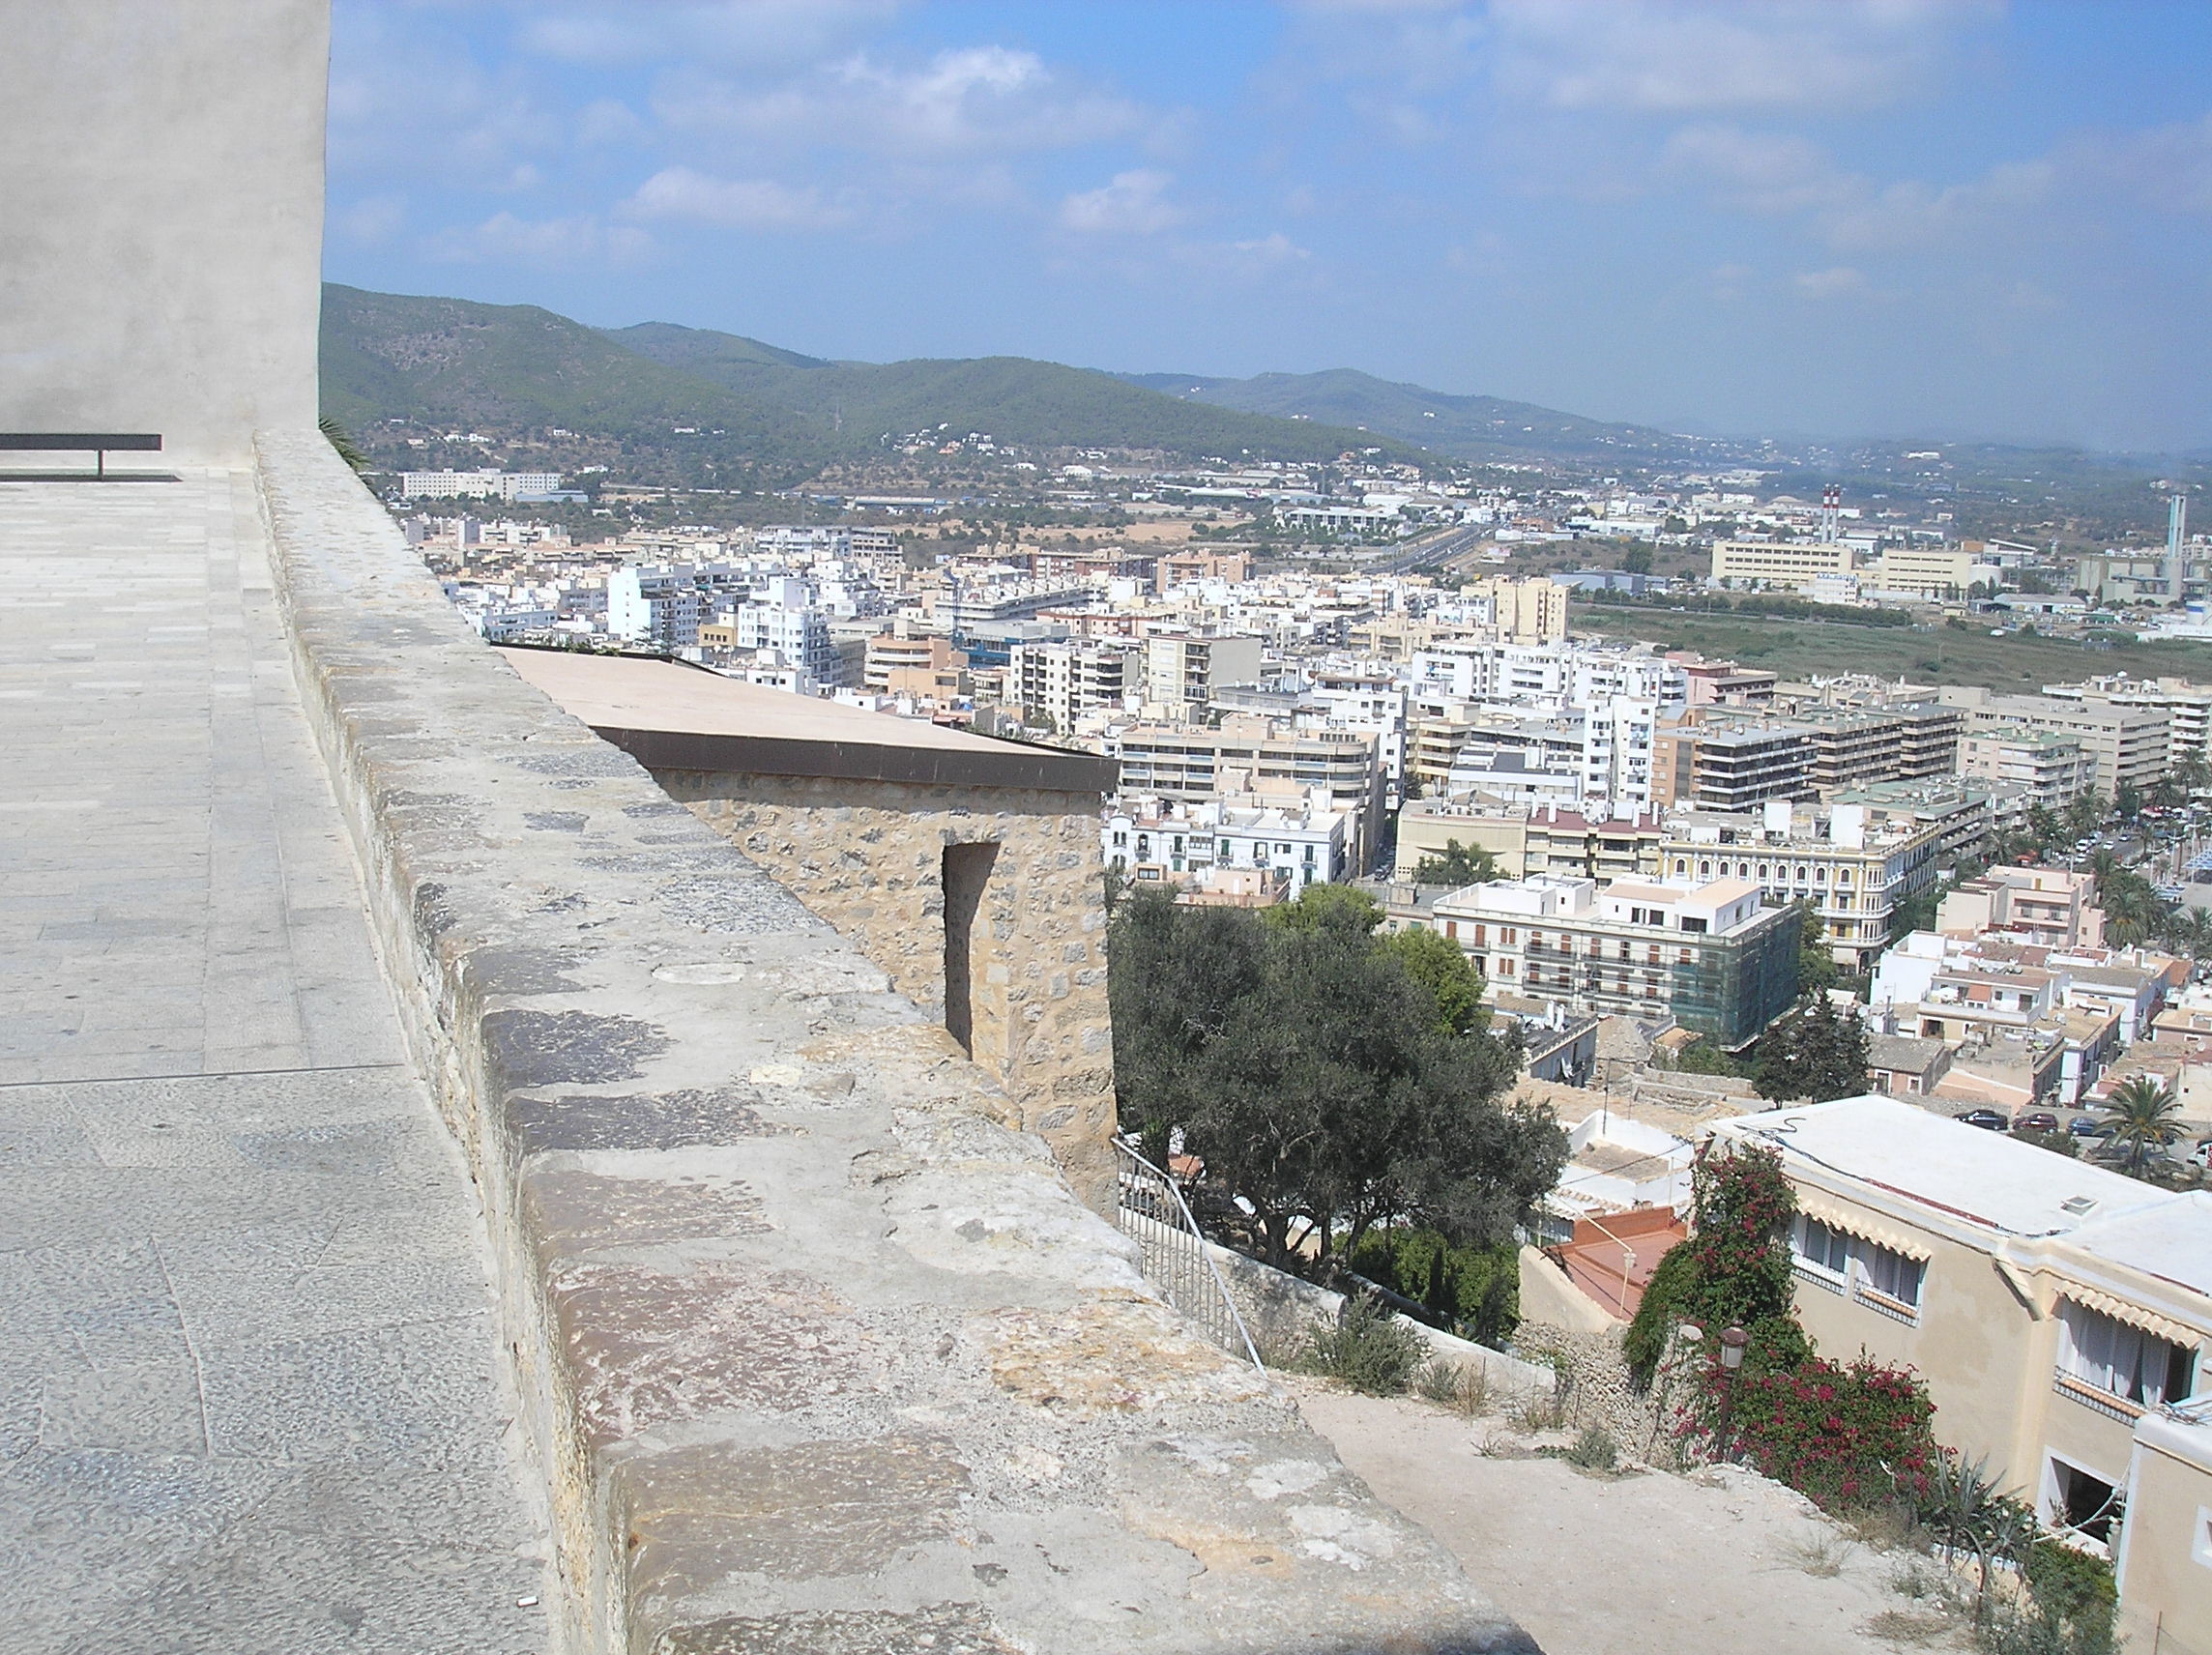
<point x="386" y="356"/>
<point x="1467" y="427"/>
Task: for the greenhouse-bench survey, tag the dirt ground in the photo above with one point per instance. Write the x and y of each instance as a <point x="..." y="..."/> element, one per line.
<point x="1649" y="1563"/>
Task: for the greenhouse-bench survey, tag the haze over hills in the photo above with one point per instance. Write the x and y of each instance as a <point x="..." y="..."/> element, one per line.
<point x="388" y="356"/>
<point x="1467" y="427"/>
<point x="704" y="408"/>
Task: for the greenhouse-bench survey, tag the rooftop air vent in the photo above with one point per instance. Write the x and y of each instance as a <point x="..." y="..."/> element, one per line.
<point x="2077" y="1205"/>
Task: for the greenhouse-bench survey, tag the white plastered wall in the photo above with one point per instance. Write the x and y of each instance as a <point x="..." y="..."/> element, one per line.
<point x="162" y="218"/>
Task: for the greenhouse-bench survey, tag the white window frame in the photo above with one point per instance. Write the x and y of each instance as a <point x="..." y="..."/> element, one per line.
<point x="1819" y="1268"/>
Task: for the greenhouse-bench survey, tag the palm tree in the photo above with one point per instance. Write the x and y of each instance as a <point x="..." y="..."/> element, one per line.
<point x="2188" y="931"/>
<point x="2086" y="814"/>
<point x="2143" y="1118"/>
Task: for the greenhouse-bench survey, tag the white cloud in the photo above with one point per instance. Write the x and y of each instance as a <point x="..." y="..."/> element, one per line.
<point x="2166" y="168"/>
<point x="961" y="103"/>
<point x="373" y="220"/>
<point x="607" y="122"/>
<point x="1801" y="55"/>
<point x="413" y="102"/>
<point x="1131" y="205"/>
<point x="738" y="203"/>
<point x="1839" y="282"/>
<point x="1778" y="174"/>
<point x="1273" y="248"/>
<point x="1761" y="172"/>
<point x="505" y="239"/>
<point x="770" y="34"/>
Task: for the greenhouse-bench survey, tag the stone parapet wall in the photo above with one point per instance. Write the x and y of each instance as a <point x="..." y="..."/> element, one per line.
<point x="868" y="857"/>
<point x="815" y="1355"/>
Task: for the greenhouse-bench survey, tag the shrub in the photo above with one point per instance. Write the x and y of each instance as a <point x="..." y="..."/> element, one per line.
<point x="1477" y="1290"/>
<point x="1845" y="1437"/>
<point x="1366" y="1348"/>
<point x="2072" y="1586"/>
<point x="1465" y="1386"/>
<point x="1595" y="1450"/>
<point x="1734" y="1268"/>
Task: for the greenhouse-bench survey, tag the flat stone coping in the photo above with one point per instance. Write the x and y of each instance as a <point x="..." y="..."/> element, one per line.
<point x="670" y="715"/>
<point x="813" y="1353"/>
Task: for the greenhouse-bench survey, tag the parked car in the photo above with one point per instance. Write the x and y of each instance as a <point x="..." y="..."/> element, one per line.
<point x="2083" y="1126"/>
<point x="1989" y="1119"/>
<point x="2200" y="1157"/>
<point x="2036" y="1120"/>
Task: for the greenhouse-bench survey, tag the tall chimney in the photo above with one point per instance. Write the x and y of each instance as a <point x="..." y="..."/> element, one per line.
<point x="2177" y="532"/>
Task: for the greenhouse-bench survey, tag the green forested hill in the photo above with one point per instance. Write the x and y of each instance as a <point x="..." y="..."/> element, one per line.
<point x="434" y="360"/>
<point x="1467" y="427"/>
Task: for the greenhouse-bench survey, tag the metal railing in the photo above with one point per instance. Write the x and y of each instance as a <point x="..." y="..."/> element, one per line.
<point x="1177" y="1258"/>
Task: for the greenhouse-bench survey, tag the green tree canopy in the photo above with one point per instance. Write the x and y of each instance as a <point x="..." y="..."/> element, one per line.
<point x="1459" y="865"/>
<point x="1815" y="1053"/>
<point x="1318" y="1076"/>
<point x="1815" y="962"/>
<point x="1442" y="967"/>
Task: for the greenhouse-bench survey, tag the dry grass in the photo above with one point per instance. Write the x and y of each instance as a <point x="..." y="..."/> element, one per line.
<point x="1460" y="1387"/>
<point x="1820" y="1551"/>
<point x="1911" y="1627"/>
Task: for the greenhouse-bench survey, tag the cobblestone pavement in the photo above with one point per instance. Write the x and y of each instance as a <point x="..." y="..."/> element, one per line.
<point x="246" y="1391"/>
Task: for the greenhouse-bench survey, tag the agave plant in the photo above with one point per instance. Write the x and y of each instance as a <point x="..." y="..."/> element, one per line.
<point x="1972" y="1513"/>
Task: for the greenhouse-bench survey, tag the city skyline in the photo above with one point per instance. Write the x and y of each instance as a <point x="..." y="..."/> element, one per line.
<point x="1885" y="220"/>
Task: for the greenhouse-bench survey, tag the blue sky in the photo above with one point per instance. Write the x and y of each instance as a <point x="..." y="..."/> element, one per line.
<point x="1833" y="217"/>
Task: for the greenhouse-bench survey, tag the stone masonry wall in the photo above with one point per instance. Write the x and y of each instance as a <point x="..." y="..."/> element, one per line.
<point x="868" y="857"/>
<point x="812" y="1355"/>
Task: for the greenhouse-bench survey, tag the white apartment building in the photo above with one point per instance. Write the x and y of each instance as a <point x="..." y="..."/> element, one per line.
<point x="1304" y="842"/>
<point x="1182" y="670"/>
<point x="476" y="484"/>
<point x="1064" y="680"/>
<point x="1601" y="749"/>
<point x="1567" y="673"/>
<point x="1704" y="952"/>
<point x="662" y="604"/>
<point x="782" y="615"/>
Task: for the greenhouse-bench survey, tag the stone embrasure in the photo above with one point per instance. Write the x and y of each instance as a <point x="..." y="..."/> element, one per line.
<point x="868" y="857"/>
<point x="820" y="1357"/>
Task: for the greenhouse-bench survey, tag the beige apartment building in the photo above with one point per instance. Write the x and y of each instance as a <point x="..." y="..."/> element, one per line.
<point x="1780" y="562"/>
<point x="1250" y="754"/>
<point x="2054" y="907"/>
<point x="1529" y="839"/>
<point x="2126" y="745"/>
<point x="2058" y="1313"/>
<point x="1937" y="573"/>
<point x="1852" y="864"/>
<point x="2048" y="765"/>
<point x="1183" y="670"/>
<point x="2186" y="706"/>
<point x="1526" y="611"/>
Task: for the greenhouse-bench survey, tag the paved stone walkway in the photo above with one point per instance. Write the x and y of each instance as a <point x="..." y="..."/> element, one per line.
<point x="246" y="1392"/>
